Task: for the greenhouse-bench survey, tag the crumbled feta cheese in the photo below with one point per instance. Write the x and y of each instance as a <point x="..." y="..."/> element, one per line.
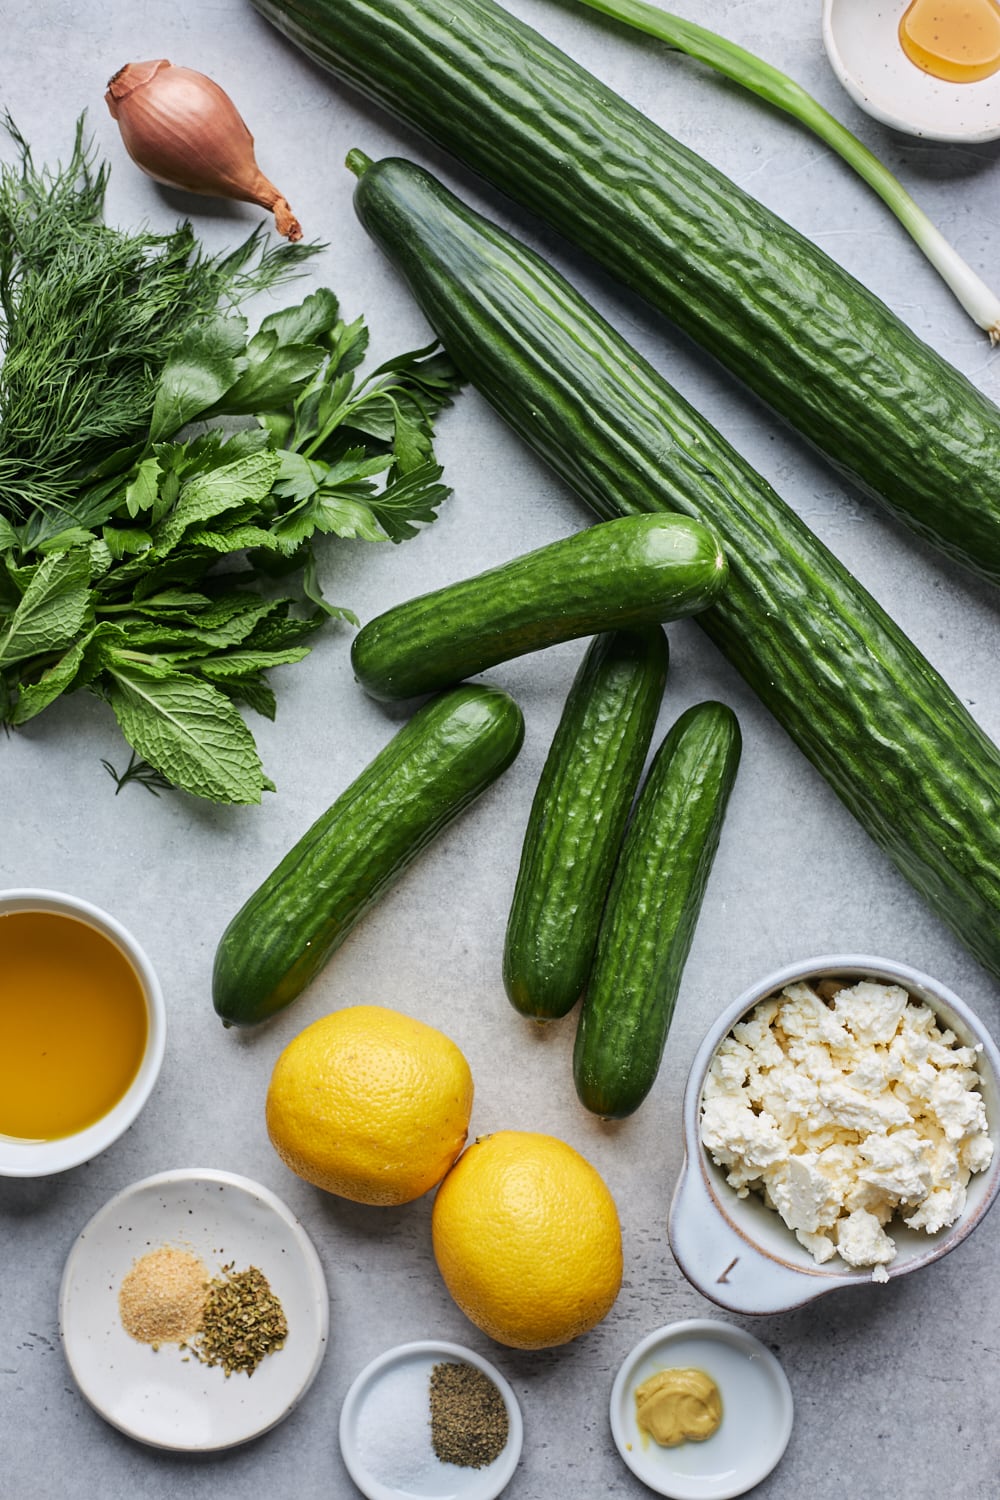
<point x="940" y="1208"/>
<point x="803" y="1194"/>
<point x="856" y="1111"/>
<point x="872" y="1012"/>
<point x="843" y="1111"/>
<point x="898" y="1165"/>
<point x="974" y="1155"/>
<point x="958" y="1110"/>
<point x="748" y="1143"/>
<point x="862" y="1241"/>
<point x="820" y="1246"/>
<point x="730" y="1068"/>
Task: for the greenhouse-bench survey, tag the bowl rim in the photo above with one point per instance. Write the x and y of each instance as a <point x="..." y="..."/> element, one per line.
<point x="918" y="984"/>
<point x="43" y="1158"/>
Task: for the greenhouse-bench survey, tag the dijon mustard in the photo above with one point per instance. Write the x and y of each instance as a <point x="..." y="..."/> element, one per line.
<point x="677" y="1406"/>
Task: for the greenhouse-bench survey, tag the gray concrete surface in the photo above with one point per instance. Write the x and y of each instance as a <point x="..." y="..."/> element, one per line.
<point x="897" y="1388"/>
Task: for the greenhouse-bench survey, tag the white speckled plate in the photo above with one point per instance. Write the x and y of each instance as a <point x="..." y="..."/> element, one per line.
<point x="385" y="1433"/>
<point x="862" y="43"/>
<point x="155" y="1396"/>
<point x="756" y="1411"/>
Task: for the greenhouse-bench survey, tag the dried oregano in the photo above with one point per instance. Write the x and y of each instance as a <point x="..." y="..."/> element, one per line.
<point x="242" y="1321"/>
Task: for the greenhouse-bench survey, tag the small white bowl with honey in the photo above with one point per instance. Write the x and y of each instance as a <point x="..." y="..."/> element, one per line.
<point x="929" y="68"/>
<point x="82" y="1031"/>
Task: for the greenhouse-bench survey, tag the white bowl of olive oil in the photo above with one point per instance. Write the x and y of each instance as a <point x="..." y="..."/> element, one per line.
<point x="82" y="1031"/>
<point x="930" y="68"/>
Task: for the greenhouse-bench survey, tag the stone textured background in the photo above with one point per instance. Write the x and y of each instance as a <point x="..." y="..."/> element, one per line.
<point x="897" y="1388"/>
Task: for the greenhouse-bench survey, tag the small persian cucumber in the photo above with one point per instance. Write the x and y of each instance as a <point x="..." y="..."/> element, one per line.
<point x="618" y="575"/>
<point x="652" y="909"/>
<point x="441" y="759"/>
<point x="577" y="819"/>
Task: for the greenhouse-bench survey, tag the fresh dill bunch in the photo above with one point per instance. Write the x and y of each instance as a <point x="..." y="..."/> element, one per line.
<point x="89" y="316"/>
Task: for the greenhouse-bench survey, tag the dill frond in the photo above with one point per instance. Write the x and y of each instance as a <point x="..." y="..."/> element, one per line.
<point x="89" y="315"/>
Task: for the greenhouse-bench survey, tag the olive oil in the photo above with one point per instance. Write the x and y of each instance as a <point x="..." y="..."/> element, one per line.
<point x="955" y="40"/>
<point x="73" y="1025"/>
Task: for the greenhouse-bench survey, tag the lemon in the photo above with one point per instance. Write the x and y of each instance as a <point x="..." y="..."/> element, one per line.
<point x="527" y="1239"/>
<point x="370" y="1104"/>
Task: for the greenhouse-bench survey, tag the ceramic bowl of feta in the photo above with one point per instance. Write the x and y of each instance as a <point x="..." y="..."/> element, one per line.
<point x="841" y="1122"/>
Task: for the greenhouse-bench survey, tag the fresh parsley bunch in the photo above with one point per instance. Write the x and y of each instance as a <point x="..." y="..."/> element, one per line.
<point x="147" y="573"/>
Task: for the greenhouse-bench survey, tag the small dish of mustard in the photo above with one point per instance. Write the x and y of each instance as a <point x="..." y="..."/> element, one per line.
<point x="701" y="1410"/>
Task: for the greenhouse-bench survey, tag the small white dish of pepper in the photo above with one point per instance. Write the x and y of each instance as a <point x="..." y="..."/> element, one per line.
<point x="194" y="1310"/>
<point x="430" y="1419"/>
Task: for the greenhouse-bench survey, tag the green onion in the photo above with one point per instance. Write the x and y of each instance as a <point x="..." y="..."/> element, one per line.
<point x="743" y="67"/>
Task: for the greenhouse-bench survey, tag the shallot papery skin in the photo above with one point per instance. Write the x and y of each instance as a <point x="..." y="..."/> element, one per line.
<point x="183" y="130"/>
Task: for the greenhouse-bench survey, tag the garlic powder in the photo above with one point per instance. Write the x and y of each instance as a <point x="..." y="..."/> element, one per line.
<point x="844" y="1106"/>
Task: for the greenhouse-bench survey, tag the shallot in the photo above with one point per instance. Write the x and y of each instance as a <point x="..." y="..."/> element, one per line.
<point x="183" y="130"/>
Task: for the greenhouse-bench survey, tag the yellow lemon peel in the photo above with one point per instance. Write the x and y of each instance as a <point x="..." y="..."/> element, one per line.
<point x="370" y="1104"/>
<point x="527" y="1239"/>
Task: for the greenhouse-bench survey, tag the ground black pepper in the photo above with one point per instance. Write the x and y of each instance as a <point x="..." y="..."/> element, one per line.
<point x="469" y="1423"/>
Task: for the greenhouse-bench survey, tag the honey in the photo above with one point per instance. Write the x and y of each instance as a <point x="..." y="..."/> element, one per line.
<point x="955" y="40"/>
<point x="73" y="1025"/>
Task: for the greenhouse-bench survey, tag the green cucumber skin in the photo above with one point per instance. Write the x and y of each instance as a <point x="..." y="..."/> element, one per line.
<point x="449" y="752"/>
<point x="622" y="574"/>
<point x="577" y="820"/>
<point x="652" y="910"/>
<point x="828" y="355"/>
<point x="854" y="693"/>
